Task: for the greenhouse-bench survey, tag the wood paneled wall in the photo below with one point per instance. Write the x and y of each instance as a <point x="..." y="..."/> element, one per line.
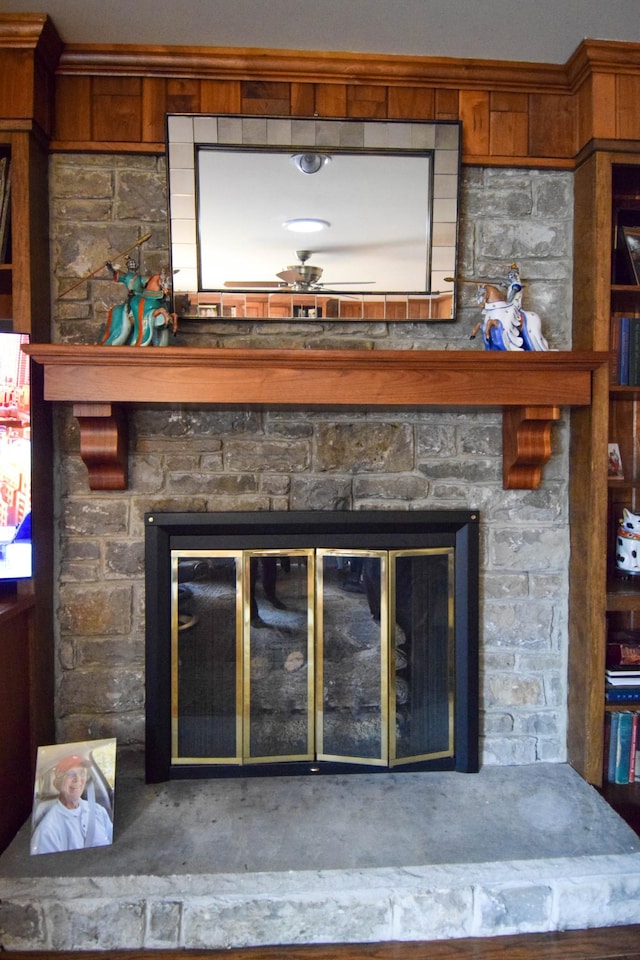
<point x="114" y="98"/>
<point x="512" y="113"/>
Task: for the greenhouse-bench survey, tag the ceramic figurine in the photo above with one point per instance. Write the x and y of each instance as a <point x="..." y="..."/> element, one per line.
<point x="143" y="319"/>
<point x="628" y="542"/>
<point x="505" y="325"/>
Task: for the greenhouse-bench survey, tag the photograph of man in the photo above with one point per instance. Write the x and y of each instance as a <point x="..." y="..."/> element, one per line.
<point x="73" y="799"/>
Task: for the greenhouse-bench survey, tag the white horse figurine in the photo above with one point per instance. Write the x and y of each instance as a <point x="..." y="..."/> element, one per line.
<point x="505" y="325"/>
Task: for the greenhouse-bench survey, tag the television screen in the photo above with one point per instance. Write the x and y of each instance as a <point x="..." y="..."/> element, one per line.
<point x="15" y="458"/>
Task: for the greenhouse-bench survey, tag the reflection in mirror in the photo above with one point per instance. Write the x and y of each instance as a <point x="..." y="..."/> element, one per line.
<point x="383" y="196"/>
<point x="363" y="219"/>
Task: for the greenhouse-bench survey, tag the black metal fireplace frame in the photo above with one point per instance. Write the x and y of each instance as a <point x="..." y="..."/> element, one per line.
<point x="395" y="530"/>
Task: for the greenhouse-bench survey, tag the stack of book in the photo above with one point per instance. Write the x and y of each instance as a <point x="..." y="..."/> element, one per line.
<point x="622" y="684"/>
<point x="622" y="672"/>
<point x="626" y="345"/>
<point x="621" y="759"/>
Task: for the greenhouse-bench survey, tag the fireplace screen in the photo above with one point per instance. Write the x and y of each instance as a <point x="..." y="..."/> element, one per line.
<point x="307" y="658"/>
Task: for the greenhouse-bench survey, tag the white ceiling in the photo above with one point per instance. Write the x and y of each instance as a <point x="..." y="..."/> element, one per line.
<point x="533" y="30"/>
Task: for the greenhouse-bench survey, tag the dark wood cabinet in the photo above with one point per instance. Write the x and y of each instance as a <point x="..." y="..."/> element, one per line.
<point x="26" y="617"/>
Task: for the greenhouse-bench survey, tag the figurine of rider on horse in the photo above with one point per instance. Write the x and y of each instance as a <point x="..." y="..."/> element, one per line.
<point x="143" y="319"/>
<point x="504" y="324"/>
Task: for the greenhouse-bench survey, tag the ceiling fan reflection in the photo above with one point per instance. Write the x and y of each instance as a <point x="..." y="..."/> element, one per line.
<point x="301" y="277"/>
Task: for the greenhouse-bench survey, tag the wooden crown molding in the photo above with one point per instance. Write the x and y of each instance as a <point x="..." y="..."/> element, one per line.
<point x="317" y="66"/>
<point x="309" y="66"/>
<point x="602" y="56"/>
<point x="31" y="31"/>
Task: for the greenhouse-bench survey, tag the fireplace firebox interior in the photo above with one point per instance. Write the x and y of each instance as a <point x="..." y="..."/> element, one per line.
<point x="310" y="643"/>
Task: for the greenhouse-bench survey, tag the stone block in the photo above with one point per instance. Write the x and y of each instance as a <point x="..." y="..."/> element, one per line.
<point x="434" y="915"/>
<point x="164" y="918"/>
<point x="124" y="559"/>
<point x="87" y="517"/>
<point x="481" y="470"/>
<point x="320" y="493"/>
<point x="101" y="690"/>
<point x="262" y="454"/>
<point x="223" y="485"/>
<point x="508" y="751"/>
<point x="140" y="196"/>
<point x="96" y="924"/>
<point x="390" y="487"/>
<point x="581" y="901"/>
<point x="363" y="447"/>
<point x="128" y="728"/>
<point x="530" y="548"/>
<point x="22" y="926"/>
<point x="519" y="625"/>
<point x="78" y="183"/>
<point x="95" y="611"/>
<point x="511" y="691"/>
<point x="219" y="923"/>
<point x="514" y="909"/>
<point x="146" y="474"/>
<point x="435" y="440"/>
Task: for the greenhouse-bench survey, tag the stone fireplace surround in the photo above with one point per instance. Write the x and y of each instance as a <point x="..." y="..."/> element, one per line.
<point x="182" y="458"/>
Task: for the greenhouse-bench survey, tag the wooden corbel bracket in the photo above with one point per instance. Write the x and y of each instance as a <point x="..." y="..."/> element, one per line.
<point x="103" y="444"/>
<point x="526" y="445"/>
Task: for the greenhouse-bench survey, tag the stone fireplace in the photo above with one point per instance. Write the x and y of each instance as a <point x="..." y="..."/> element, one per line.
<point x="184" y="459"/>
<point x="411" y="856"/>
<point x="311" y="643"/>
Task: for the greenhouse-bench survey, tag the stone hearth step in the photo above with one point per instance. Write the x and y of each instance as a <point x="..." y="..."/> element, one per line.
<point x="369" y="858"/>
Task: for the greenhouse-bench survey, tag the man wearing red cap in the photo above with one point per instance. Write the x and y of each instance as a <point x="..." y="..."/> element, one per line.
<point x="72" y="822"/>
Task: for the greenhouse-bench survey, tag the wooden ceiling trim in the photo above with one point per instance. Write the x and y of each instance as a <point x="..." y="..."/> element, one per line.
<point x="323" y="66"/>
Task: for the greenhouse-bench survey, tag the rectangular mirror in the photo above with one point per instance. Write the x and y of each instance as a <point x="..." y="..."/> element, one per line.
<point x="340" y="219"/>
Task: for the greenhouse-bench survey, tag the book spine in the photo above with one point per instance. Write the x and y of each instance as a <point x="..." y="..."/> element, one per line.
<point x="623" y="365"/>
<point x="634" y="351"/>
<point x="622" y="694"/>
<point x="623" y="748"/>
<point x="614" y="719"/>
<point x="633" y="749"/>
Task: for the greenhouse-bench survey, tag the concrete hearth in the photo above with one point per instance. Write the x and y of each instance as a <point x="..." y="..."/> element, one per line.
<point x="224" y="863"/>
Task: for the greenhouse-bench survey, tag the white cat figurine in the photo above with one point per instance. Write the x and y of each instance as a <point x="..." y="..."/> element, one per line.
<point x="628" y="542"/>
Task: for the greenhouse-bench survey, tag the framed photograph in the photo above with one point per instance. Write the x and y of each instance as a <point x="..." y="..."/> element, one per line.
<point x="615" y="462"/>
<point x="73" y="796"/>
<point x="632" y="241"/>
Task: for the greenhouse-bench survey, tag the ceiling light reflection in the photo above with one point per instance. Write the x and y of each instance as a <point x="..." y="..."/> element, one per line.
<point x="306" y="225"/>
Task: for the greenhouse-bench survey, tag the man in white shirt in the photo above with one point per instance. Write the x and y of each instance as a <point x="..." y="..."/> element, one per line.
<point x="72" y="822"/>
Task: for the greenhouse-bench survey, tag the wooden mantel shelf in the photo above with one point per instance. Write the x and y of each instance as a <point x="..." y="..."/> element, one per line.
<point x="529" y="387"/>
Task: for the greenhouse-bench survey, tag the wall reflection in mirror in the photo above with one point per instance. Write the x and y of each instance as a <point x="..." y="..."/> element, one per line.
<point x="338" y="209"/>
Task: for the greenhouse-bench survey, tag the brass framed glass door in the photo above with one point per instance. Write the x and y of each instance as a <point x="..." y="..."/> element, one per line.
<point x="206" y="656"/>
<point x="336" y="655"/>
<point x="278" y="709"/>
<point x="422" y="644"/>
<point x="352" y="644"/>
